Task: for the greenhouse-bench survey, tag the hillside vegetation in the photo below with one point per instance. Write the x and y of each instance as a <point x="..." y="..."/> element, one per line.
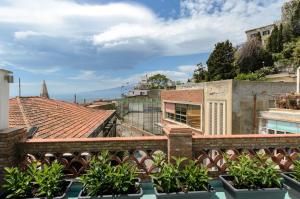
<point x="253" y="61"/>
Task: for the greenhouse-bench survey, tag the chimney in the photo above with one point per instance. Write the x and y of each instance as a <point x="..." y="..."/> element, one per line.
<point x="5" y="78"/>
<point x="298" y="80"/>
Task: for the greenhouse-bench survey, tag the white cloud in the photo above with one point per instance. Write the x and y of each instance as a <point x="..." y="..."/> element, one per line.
<point x="86" y="75"/>
<point x="187" y="68"/>
<point x="203" y="23"/>
<point x="26" y="34"/>
<point x="115" y="25"/>
<point x="41" y="70"/>
<point x="38" y="70"/>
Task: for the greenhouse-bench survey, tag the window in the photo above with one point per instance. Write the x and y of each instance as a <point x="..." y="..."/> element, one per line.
<point x="184" y="113"/>
<point x="270" y="131"/>
<point x="266" y="32"/>
<point x="180" y="110"/>
<point x="194" y="116"/>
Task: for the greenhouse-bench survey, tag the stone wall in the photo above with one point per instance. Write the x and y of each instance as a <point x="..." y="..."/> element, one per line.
<point x="254" y="96"/>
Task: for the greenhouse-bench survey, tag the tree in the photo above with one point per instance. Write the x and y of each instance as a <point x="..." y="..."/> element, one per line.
<point x="158" y="81"/>
<point x="272" y="42"/>
<point x="280" y="39"/>
<point x="220" y="62"/>
<point x="287" y="33"/>
<point x="295" y="21"/>
<point x="252" y="56"/>
<point x="200" y="73"/>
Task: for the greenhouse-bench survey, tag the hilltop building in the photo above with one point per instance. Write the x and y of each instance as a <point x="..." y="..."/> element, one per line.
<point x="221" y="107"/>
<point x="264" y="31"/>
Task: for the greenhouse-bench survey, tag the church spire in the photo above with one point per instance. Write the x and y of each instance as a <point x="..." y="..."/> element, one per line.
<point x="44" y="90"/>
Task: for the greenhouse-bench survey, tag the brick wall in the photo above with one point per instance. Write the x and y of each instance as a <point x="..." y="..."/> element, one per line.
<point x="253" y="141"/>
<point x="72" y="145"/>
<point x="179" y="141"/>
<point x="8" y="149"/>
<point x="183" y="95"/>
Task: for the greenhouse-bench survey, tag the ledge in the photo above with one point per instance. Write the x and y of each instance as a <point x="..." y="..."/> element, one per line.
<point x="100" y="139"/>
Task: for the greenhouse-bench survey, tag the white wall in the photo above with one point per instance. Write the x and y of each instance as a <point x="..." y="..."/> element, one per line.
<point x="4" y="100"/>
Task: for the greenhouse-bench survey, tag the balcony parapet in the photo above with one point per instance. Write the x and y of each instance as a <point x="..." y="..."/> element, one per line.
<point x="208" y="151"/>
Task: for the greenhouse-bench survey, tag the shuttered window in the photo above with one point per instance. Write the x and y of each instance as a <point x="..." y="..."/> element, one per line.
<point x="216" y="118"/>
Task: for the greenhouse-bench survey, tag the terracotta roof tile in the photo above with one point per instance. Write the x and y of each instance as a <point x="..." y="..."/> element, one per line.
<point x="55" y="118"/>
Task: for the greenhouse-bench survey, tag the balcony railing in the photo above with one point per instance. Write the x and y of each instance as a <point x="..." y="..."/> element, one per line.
<point x="206" y="150"/>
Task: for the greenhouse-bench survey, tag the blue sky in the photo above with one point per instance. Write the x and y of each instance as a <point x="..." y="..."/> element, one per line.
<point x="84" y="45"/>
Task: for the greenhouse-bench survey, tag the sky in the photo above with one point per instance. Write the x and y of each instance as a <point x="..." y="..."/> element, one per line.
<point x="85" y="45"/>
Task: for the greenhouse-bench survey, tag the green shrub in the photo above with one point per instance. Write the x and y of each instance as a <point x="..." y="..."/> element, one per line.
<point x="104" y="179"/>
<point x="296" y="171"/>
<point x="36" y="181"/>
<point x="195" y="177"/>
<point x="47" y="179"/>
<point x="253" y="172"/>
<point x="16" y="183"/>
<point x="250" y="76"/>
<point x="176" y="178"/>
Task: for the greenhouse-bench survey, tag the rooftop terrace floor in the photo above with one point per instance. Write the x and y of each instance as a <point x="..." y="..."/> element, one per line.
<point x="149" y="192"/>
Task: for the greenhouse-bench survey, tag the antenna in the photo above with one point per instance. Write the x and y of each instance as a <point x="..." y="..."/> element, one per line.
<point x="19" y="87"/>
<point x="75" y="100"/>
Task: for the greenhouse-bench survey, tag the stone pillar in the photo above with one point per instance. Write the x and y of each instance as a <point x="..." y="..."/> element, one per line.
<point x="8" y="148"/>
<point x="179" y="141"/>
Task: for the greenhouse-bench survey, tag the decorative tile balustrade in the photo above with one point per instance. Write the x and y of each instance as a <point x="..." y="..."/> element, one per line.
<point x="208" y="151"/>
<point x="75" y="154"/>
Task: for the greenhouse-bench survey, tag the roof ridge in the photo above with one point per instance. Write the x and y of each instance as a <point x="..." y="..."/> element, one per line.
<point x="27" y="123"/>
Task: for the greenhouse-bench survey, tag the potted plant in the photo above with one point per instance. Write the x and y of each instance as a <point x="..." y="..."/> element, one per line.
<point x="252" y="177"/>
<point x="180" y="181"/>
<point x="104" y="180"/>
<point x="37" y="181"/>
<point x="292" y="179"/>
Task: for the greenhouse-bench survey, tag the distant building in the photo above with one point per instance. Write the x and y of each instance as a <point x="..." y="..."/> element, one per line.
<point x="103" y="105"/>
<point x="49" y="118"/>
<point x="44" y="90"/>
<point x="279" y="121"/>
<point x="137" y="92"/>
<point x="264" y="31"/>
<point x="220" y="107"/>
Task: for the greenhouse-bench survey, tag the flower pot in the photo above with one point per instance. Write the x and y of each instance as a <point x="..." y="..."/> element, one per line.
<point x="266" y="193"/>
<point x="82" y="195"/>
<point x="182" y="195"/>
<point x="125" y="196"/>
<point x="291" y="182"/>
<point x="67" y="184"/>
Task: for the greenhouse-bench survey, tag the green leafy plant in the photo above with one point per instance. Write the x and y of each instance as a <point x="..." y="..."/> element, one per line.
<point x="253" y="172"/>
<point x="36" y="181"/>
<point x="48" y="179"/>
<point x="195" y="177"/>
<point x="104" y="179"/>
<point x="178" y="178"/>
<point x="16" y="183"/>
<point x="296" y="171"/>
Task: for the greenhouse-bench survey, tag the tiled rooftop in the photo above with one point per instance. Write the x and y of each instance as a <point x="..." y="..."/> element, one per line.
<point x="54" y="118"/>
